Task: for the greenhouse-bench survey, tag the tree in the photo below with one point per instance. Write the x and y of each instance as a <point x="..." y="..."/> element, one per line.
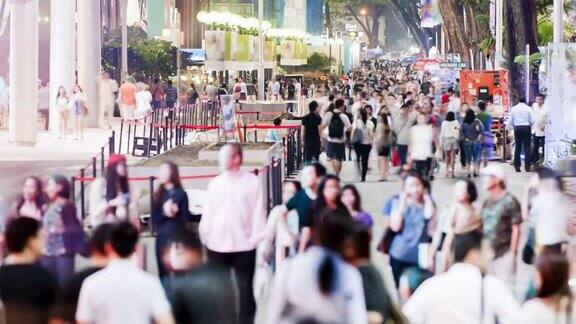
<point x="410" y="13"/>
<point x="521" y="28"/>
<point x="367" y="13"/>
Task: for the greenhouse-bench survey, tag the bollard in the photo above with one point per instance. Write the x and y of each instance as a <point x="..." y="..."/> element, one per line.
<point x="151" y="187"/>
<point x="111" y="141"/>
<point x="94" y="167"/>
<point x="73" y="189"/>
<point x="102" y="160"/>
<point x="82" y="207"/>
<point x="128" y="141"/>
<point x="120" y="138"/>
<point x="245" y="132"/>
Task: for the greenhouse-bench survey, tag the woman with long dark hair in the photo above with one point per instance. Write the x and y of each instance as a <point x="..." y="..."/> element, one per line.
<point x="449" y="137"/>
<point x="328" y="198"/>
<point x="362" y="134"/>
<point x="110" y="199"/>
<point x="353" y="202"/>
<point x="318" y="286"/>
<point x="62" y="230"/>
<point x="385" y="140"/>
<point x="170" y="211"/>
<point x="471" y="134"/>
<point x="32" y="200"/>
<point x="554" y="302"/>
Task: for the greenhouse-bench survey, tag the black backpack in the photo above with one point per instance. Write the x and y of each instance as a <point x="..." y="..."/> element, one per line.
<point x="336" y="127"/>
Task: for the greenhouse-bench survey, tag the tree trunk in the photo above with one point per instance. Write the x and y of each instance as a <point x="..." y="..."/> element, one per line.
<point x="328" y="17"/>
<point x="411" y="17"/>
<point x="520" y="19"/>
<point x="454" y="24"/>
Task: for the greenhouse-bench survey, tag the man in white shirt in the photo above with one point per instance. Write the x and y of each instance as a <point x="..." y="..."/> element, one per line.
<point x="463" y="294"/>
<point x="234" y="222"/>
<point x="521" y="119"/>
<point x="121" y="292"/>
<point x="541" y="120"/>
<point x="274" y="87"/>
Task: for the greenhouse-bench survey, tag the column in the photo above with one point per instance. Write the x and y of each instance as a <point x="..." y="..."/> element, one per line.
<point x="558" y="21"/>
<point x="62" y="53"/>
<point x="89" y="55"/>
<point x="23" y="72"/>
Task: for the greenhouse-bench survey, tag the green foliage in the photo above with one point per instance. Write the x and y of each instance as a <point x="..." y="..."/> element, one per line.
<point x="147" y="58"/>
<point x="317" y="62"/>
<point x="534" y="59"/>
<point x="545" y="31"/>
<point x="487" y="44"/>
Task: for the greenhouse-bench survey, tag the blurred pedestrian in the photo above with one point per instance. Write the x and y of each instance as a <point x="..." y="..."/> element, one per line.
<point x="63" y="112"/>
<point x="28" y="290"/>
<point x="449" y="137"/>
<point x="66" y="305"/>
<point x="171" y="95"/>
<point x="79" y="109"/>
<point x="157" y="94"/>
<point x="311" y="135"/>
<point x="31" y="202"/>
<point x="199" y="292"/>
<point x="191" y="94"/>
<point x="143" y="101"/>
<point x="362" y="137"/>
<point x="121" y="292"/>
<point x="170" y="210"/>
<point x="554" y="302"/>
<point x="445" y="299"/>
<point x="318" y="286"/>
<point x="409" y="219"/>
<point x="353" y="202"/>
<point x="521" y="119"/>
<point x="127" y="99"/>
<point x="502" y="219"/>
<point x="421" y="143"/>
<point x="107" y="87"/>
<point x="471" y="132"/>
<point x="384" y="140"/>
<point x="234" y="222"/>
<point x="61" y="229"/>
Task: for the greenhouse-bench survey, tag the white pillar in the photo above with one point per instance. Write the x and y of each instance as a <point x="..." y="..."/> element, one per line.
<point x="499" y="34"/>
<point x="124" y="53"/>
<point x="558" y="21"/>
<point x="23" y="72"/>
<point x="62" y="53"/>
<point x="89" y="55"/>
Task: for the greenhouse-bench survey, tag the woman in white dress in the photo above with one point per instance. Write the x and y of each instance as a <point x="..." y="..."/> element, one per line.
<point x="143" y="101"/>
<point x="63" y="112"/>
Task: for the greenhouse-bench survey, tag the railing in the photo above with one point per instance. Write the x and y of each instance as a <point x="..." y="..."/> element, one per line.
<point x="272" y="177"/>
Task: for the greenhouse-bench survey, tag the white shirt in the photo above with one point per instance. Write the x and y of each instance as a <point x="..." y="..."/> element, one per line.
<point x="121" y="293"/>
<point x="143" y="100"/>
<point x="450" y="129"/>
<point x="274" y="87"/>
<point x="541" y="119"/>
<point x="454" y="297"/>
<point x="421" y="142"/>
<point x="535" y="311"/>
<point x="521" y="115"/>
<point x="234" y="218"/>
<point x="366" y="130"/>
<point x="551" y="227"/>
<point x="326" y="123"/>
<point x="296" y="284"/>
<point x="454" y="104"/>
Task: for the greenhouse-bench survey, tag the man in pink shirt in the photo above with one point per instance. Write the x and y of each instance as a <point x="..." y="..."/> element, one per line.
<point x="234" y="222"/>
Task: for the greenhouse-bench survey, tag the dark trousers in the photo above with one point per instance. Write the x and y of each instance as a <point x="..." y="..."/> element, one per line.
<point x="422" y="167"/>
<point x="61" y="266"/>
<point x="522" y="137"/>
<point x="362" y="158"/>
<point x="243" y="264"/>
<point x="398" y="267"/>
<point x="462" y="153"/>
<point x="311" y="151"/>
<point x="402" y="153"/>
<point x="537" y="143"/>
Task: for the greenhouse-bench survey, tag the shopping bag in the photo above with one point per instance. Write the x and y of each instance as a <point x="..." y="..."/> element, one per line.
<point x="395" y="158"/>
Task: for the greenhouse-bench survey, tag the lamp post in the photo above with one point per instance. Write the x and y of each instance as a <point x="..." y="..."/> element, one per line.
<point x="498" y="30"/>
<point x="261" y="84"/>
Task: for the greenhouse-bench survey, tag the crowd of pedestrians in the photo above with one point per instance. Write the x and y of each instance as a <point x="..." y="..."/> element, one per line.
<point x="311" y="258"/>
